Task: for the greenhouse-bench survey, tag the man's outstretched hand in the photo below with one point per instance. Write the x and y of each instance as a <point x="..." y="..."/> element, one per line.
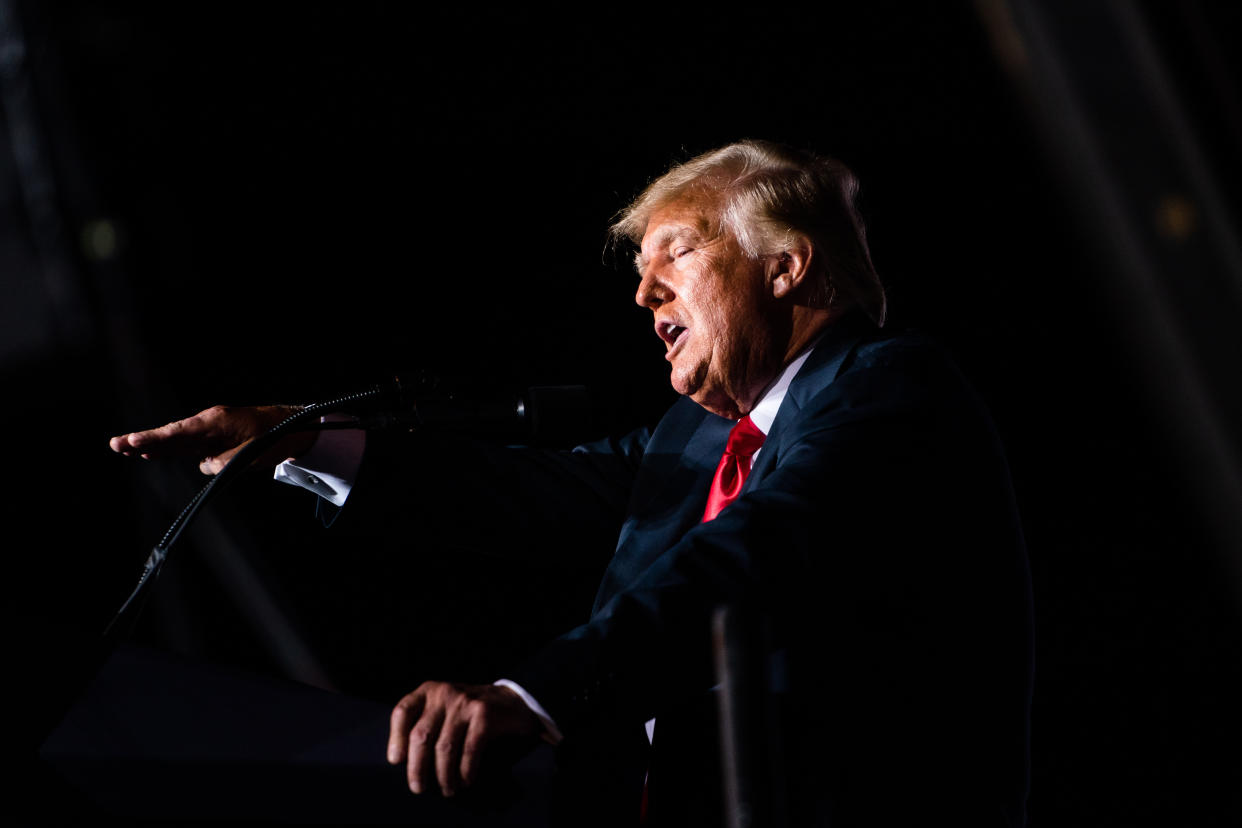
<point x="215" y="435"/>
<point x="441" y="731"/>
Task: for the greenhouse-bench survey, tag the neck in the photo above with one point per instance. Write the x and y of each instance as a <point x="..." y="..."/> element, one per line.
<point x="808" y="325"/>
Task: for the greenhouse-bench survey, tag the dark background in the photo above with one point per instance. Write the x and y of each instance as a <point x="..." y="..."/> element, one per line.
<point x="231" y="204"/>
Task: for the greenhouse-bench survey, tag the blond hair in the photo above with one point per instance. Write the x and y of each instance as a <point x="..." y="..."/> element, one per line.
<point x="768" y="194"/>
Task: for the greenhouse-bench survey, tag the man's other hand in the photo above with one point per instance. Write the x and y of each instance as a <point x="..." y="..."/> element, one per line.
<point x="442" y="730"/>
<point x="215" y="435"/>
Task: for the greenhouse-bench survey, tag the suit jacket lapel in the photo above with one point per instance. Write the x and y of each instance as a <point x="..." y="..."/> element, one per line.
<point x="820" y="370"/>
<point x="670" y="493"/>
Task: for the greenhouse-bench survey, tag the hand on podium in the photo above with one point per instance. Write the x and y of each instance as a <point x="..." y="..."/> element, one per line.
<point x="444" y="732"/>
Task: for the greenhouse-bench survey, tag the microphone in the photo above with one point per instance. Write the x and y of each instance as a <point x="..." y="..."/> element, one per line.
<point x="540" y="414"/>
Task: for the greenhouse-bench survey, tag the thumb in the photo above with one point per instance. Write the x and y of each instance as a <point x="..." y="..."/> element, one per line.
<point x="215" y="464"/>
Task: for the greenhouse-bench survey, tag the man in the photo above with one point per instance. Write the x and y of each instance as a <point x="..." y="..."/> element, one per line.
<point x="863" y="510"/>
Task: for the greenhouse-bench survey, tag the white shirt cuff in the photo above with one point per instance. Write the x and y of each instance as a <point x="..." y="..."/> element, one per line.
<point x="330" y="468"/>
<point x="552" y="733"/>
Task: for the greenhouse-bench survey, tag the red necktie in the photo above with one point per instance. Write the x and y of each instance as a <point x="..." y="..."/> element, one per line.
<point x="744" y="440"/>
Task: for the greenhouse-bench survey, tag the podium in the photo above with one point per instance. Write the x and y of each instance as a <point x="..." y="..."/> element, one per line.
<point x="157" y="737"/>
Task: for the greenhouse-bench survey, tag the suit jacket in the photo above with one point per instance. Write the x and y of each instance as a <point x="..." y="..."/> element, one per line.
<point x="878" y="540"/>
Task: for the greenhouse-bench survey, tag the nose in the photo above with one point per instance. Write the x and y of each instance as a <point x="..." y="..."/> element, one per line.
<point x="652" y="291"/>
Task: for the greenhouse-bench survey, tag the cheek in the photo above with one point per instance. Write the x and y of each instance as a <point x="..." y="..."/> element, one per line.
<point x="742" y="341"/>
<point x="733" y="322"/>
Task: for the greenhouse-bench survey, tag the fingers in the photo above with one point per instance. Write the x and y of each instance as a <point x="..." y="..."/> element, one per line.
<point x="199" y="434"/>
<point x="449" y="771"/>
<point x="216" y="464"/>
<point x="129" y="444"/>
<point x="443" y="731"/>
<point x="420" y="769"/>
<point x="472" y="750"/>
<point x="214" y="435"/>
<point x="404" y="715"/>
<point x="121" y="444"/>
<point x="418" y="733"/>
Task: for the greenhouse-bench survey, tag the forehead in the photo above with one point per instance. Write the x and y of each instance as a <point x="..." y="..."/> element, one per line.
<point x="684" y="217"/>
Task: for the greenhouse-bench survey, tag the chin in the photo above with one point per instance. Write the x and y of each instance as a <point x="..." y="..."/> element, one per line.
<point x="685" y="385"/>
<point x="717" y="402"/>
<point x="698" y="387"/>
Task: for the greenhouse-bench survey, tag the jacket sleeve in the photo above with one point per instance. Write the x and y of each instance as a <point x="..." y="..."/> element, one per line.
<point x="441" y="491"/>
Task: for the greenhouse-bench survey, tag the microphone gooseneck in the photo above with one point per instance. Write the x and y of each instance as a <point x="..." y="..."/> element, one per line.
<point x="539" y="413"/>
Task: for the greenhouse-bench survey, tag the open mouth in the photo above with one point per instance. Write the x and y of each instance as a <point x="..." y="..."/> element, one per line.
<point x="669" y="332"/>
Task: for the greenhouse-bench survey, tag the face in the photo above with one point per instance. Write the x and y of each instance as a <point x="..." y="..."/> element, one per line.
<point x="713" y="308"/>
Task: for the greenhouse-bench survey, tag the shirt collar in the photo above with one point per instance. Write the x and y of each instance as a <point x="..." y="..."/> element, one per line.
<point x="764" y="412"/>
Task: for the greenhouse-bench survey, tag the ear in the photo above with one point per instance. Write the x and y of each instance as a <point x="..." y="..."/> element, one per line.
<point x="788" y="270"/>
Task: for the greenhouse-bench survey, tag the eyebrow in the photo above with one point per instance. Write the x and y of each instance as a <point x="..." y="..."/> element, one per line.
<point x="662" y="240"/>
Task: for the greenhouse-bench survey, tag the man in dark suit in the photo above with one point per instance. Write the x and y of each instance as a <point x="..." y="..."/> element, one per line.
<point x="841" y="484"/>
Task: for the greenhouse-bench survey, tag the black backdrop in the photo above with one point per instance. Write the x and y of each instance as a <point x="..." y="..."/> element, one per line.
<point x="306" y="200"/>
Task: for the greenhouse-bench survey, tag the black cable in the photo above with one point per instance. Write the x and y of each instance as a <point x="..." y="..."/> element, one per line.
<point x="306" y="419"/>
